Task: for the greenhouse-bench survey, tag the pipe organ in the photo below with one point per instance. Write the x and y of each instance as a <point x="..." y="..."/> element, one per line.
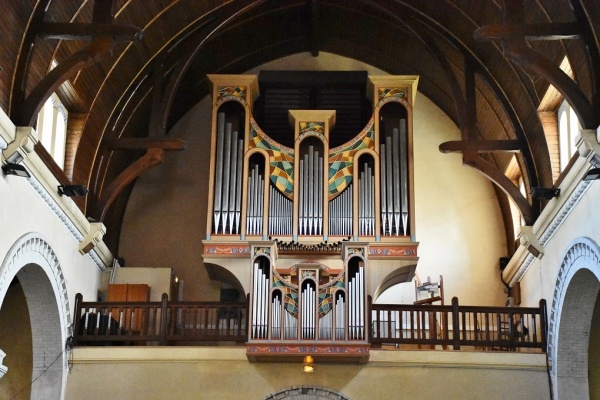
<point x="360" y="189"/>
<point x="307" y="302"/>
<point x="312" y="199"/>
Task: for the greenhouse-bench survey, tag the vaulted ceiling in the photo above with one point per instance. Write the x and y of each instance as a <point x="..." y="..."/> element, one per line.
<point x="128" y="70"/>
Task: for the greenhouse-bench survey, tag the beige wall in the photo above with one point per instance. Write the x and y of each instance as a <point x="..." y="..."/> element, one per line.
<point x="224" y="373"/>
<point x="15" y="340"/>
<point x="458" y="220"/>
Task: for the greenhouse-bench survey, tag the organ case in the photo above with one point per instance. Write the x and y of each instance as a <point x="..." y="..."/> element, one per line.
<point x="361" y="189"/>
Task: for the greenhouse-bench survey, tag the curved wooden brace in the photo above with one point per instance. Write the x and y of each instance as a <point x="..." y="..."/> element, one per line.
<point x="504" y="183"/>
<point x="49" y="83"/>
<point x="527" y="58"/>
<point x="153" y="156"/>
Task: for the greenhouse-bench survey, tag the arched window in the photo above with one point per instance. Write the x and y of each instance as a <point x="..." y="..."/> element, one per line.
<point x="52" y="128"/>
<point x="568" y="128"/>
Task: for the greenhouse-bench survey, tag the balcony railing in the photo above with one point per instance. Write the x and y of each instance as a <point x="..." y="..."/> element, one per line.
<point x="485" y="328"/>
<point x="453" y="326"/>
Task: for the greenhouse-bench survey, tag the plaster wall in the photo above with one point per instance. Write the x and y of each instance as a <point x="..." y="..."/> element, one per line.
<point x="540" y="279"/>
<point x="23" y="211"/>
<point x="225" y="373"/>
<point x="458" y="221"/>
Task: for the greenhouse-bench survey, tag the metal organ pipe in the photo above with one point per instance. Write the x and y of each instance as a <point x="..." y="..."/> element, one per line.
<point x="404" y="172"/>
<point x="280" y="213"/>
<point x="219" y="171"/>
<point x="228" y="182"/>
<point x="340" y="213"/>
<point x="311" y="193"/>
<point x="366" y="201"/>
<point x="394" y="182"/>
<point x="260" y="302"/>
<point x="254" y="215"/>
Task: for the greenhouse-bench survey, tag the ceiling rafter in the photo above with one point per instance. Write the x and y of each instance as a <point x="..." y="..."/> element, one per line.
<point x="102" y="32"/>
<point x="518" y="51"/>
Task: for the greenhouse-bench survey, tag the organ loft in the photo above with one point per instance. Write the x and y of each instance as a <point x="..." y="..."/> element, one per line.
<point x="311" y="204"/>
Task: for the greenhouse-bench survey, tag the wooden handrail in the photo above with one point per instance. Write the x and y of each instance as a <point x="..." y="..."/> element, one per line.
<point x="167" y="322"/>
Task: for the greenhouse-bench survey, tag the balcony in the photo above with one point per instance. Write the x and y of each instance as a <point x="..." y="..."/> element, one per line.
<point x="403" y="326"/>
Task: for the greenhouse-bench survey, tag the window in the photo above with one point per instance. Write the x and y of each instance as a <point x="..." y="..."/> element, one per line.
<point x="52" y="128"/>
<point x="568" y="129"/>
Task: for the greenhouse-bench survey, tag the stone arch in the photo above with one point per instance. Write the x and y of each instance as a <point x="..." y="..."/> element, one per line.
<point x="575" y="293"/>
<point x="306" y="393"/>
<point x="37" y="267"/>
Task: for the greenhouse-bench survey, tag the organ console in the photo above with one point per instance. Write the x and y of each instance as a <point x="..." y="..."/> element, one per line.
<point x="310" y="195"/>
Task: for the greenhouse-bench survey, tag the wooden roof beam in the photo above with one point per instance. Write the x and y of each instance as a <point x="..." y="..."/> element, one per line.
<point x="82" y="31"/>
<point x="465" y="146"/>
<point x="518" y="51"/>
<point x="145" y="144"/>
<point x="545" y="31"/>
<point x="153" y="156"/>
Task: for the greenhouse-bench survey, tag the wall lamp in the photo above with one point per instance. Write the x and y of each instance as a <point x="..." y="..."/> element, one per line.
<point x="308" y="364"/>
<point x="592" y="174"/>
<point x="72" y="190"/>
<point x="15" y="169"/>
<point x="544" y="193"/>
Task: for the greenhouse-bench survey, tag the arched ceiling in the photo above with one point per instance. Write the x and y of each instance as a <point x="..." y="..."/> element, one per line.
<point x="130" y="69"/>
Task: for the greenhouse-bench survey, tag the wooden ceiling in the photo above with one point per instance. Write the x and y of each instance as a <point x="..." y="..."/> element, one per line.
<point x="487" y="64"/>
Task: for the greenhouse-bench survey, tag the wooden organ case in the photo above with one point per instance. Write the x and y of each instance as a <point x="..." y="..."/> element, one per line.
<point x="303" y="226"/>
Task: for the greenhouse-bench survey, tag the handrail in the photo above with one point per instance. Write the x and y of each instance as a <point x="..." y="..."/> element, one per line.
<point x="166" y="322"/>
<point x="162" y="322"/>
<point x="488" y="328"/>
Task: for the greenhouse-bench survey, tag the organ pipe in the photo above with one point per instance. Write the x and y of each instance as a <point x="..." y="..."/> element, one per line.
<point x="280" y="213"/>
<point x="394" y="182"/>
<point x="311" y="193"/>
<point x="254" y="215"/>
<point x="340" y="213"/>
<point x="228" y="182"/>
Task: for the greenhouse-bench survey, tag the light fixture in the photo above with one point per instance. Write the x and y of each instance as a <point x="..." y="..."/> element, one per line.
<point x="72" y="190"/>
<point x="544" y="193"/>
<point x="592" y="174"/>
<point x="308" y="364"/>
<point x="15" y="169"/>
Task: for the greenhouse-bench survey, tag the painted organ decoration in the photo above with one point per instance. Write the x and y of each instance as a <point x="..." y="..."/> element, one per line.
<point x="361" y="189"/>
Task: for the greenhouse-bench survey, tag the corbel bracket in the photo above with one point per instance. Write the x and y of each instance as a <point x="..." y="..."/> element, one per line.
<point x="530" y="242"/>
<point x="92" y="238"/>
<point x="22" y="146"/>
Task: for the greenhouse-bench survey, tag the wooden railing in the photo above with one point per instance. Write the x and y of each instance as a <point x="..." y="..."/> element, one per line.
<point x="453" y="326"/>
<point x="485" y="328"/>
<point x="161" y="322"/>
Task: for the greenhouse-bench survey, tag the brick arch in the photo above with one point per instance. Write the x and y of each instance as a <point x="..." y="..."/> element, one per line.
<point x="575" y="293"/>
<point x="306" y="393"/>
<point x="33" y="261"/>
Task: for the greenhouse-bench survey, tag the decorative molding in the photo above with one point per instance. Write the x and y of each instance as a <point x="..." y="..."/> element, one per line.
<point x="66" y="221"/>
<point x="356" y="353"/>
<point x="24" y="252"/>
<point x="307" y="393"/>
<point x="228" y="250"/>
<point x="392" y="251"/>
<point x="564" y="211"/>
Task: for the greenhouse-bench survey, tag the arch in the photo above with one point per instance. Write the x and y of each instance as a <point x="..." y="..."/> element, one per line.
<point x="306" y="393"/>
<point x="575" y="293"/>
<point x="399" y="275"/>
<point x="37" y="267"/>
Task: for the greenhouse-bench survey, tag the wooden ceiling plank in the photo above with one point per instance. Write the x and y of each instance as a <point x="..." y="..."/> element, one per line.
<point x="464" y="146"/>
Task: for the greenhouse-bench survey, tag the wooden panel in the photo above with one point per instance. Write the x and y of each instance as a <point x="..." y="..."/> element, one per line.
<point x="138" y="292"/>
<point x="117" y="292"/>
